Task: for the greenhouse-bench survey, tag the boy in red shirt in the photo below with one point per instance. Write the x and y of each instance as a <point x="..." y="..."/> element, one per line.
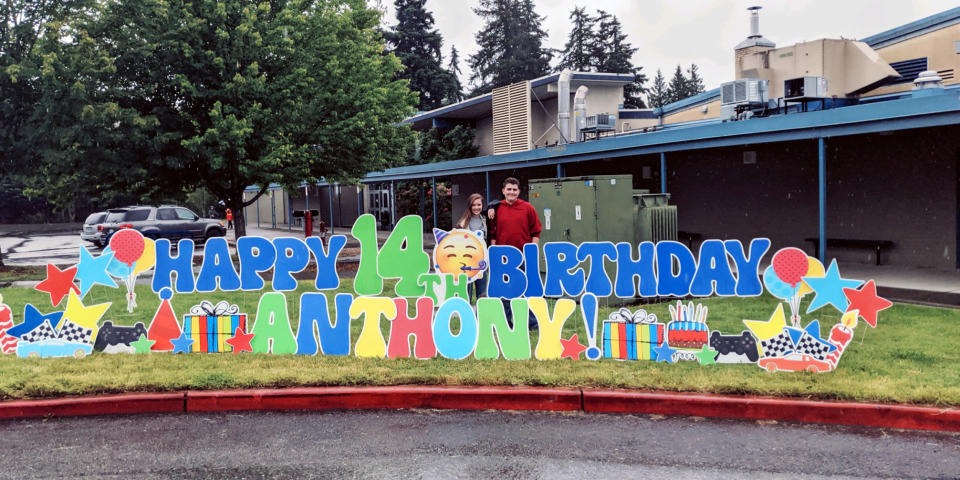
<point x="516" y="224"/>
<point x="517" y="221"/>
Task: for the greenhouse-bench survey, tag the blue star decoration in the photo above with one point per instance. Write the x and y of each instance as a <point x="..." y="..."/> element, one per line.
<point x="664" y="353"/>
<point x="32" y="318"/>
<point x="829" y="289"/>
<point x="182" y="344"/>
<point x="93" y="270"/>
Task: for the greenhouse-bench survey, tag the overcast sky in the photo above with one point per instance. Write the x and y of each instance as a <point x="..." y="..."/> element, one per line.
<point x="694" y="31"/>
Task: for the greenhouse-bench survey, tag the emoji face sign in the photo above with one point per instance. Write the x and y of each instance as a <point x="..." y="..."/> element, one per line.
<point x="460" y="251"/>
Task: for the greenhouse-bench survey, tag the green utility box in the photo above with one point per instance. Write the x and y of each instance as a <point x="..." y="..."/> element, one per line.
<point x="601" y="208"/>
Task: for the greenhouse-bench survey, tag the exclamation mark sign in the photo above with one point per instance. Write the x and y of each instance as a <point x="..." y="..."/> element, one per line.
<point x="588" y="307"/>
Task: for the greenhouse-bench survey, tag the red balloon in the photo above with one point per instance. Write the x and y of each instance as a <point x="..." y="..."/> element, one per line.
<point x="790" y="264"/>
<point x="127" y="245"/>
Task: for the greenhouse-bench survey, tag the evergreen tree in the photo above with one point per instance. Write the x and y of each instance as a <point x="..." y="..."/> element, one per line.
<point x="511" y="45"/>
<point x="677" y="89"/>
<point x="694" y="81"/>
<point x="417" y="44"/>
<point x="659" y="94"/>
<point x="453" y="68"/>
<point x="577" y="54"/>
<point x="613" y="54"/>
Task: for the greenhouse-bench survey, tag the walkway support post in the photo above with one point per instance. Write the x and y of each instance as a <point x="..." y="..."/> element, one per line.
<point x="560" y="172"/>
<point x="330" y="201"/>
<point x="487" y="175"/>
<point x="663" y="172"/>
<point x="433" y="193"/>
<point x="393" y="206"/>
<point x="822" y="170"/>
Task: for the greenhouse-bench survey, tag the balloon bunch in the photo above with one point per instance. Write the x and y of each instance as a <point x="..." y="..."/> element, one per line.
<point x="784" y="278"/>
<point x="132" y="254"/>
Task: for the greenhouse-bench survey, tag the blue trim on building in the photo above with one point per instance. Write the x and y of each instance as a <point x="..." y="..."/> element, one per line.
<point x="705" y="97"/>
<point x="913" y="29"/>
<point x="898" y="114"/>
<point x="634" y="114"/>
<point x="487" y="97"/>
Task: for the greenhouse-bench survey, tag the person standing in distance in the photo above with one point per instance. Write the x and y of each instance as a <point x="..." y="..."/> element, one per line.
<point x="473" y="220"/>
<point x="517" y="220"/>
<point x="517" y="224"/>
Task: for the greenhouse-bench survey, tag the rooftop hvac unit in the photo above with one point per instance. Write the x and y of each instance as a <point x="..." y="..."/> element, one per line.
<point x="805" y="87"/>
<point x="745" y="90"/>
<point x="603" y="121"/>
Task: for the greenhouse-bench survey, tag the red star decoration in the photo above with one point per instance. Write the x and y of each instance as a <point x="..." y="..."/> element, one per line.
<point x="867" y="301"/>
<point x="572" y="348"/>
<point x="240" y="341"/>
<point x="58" y="283"/>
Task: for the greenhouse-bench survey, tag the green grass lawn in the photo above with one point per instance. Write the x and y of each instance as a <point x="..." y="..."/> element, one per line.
<point x="911" y="357"/>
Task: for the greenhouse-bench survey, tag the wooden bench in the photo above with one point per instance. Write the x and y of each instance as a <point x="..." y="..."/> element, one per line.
<point x="876" y="245"/>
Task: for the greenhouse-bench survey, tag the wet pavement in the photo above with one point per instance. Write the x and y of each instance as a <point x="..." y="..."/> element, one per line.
<point x="454" y="444"/>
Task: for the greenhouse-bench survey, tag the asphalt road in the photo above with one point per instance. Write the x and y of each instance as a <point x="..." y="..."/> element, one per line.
<point x="451" y="444"/>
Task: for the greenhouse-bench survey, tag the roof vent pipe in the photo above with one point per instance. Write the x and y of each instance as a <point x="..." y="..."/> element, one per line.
<point x="754" y="21"/>
<point x="580" y="109"/>
<point x="563" y="105"/>
<point x="927" y="83"/>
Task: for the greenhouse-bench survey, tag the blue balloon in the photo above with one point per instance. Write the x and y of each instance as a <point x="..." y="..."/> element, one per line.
<point x="117" y="268"/>
<point x="778" y="288"/>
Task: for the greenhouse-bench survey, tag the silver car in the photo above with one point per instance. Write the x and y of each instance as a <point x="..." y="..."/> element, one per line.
<point x="90" y="232"/>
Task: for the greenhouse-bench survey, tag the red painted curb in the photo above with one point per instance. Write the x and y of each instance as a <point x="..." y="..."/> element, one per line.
<point x="866" y="414"/>
<point x="101" y="405"/>
<point x="327" y="398"/>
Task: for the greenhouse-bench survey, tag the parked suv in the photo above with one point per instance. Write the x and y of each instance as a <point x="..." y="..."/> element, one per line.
<point x="166" y="221"/>
<point x="90" y="232"/>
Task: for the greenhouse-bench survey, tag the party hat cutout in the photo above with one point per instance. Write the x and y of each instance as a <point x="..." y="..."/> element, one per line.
<point x="164" y="326"/>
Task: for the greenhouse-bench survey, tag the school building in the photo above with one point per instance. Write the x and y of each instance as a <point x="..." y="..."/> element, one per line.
<point x="848" y="146"/>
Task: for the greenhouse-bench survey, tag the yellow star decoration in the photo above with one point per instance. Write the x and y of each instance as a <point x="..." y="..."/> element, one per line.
<point x="86" y="317"/>
<point x="770" y="328"/>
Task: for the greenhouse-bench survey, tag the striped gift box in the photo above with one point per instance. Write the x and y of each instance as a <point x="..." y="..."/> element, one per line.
<point x="210" y="332"/>
<point x="631" y="341"/>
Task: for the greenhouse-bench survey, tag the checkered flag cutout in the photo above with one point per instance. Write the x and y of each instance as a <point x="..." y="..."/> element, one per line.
<point x="810" y="346"/>
<point x="777" y="346"/>
<point x="43" y="331"/>
<point x="73" y="333"/>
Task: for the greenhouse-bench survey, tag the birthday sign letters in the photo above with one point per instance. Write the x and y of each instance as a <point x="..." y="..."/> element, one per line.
<point x="445" y="322"/>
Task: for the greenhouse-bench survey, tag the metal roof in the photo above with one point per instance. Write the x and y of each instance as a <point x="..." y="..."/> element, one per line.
<point x="896" y="114"/>
<point x="482" y="105"/>
<point x="913" y="29"/>
<point x="700" y="98"/>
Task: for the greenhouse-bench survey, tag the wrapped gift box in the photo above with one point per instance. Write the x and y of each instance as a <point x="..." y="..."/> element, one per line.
<point x="631" y="341"/>
<point x="210" y="332"/>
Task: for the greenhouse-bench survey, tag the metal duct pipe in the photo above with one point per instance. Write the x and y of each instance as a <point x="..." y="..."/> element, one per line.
<point x="754" y="21"/>
<point x="580" y="109"/>
<point x="563" y="105"/>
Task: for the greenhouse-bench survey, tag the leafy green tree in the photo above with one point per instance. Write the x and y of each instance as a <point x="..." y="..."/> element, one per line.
<point x="47" y="114"/>
<point x="510" y="45"/>
<point x="417" y="44"/>
<point x="658" y="94"/>
<point x="577" y="54"/>
<point x="237" y="93"/>
<point x="612" y="54"/>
